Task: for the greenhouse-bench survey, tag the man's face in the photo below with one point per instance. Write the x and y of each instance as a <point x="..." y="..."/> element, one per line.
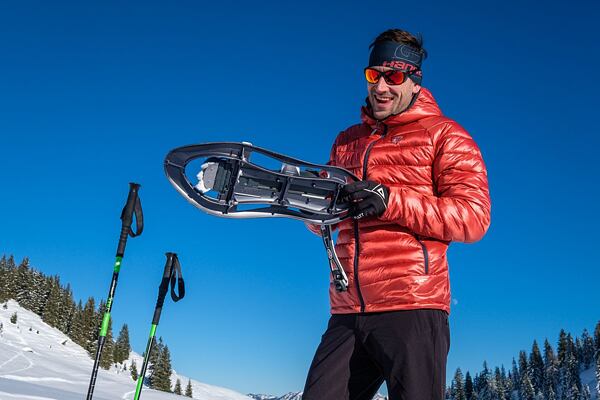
<point x="390" y="99"/>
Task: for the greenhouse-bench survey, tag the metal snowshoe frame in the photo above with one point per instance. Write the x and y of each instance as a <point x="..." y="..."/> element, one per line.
<point x="231" y="185"/>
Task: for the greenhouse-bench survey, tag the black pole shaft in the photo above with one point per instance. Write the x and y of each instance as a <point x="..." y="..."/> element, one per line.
<point x="126" y="221"/>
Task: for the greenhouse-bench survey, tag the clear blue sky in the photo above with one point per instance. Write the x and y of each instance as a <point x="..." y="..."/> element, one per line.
<point x="94" y="94"/>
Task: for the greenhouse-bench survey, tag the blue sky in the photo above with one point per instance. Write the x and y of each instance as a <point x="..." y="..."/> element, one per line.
<point x="93" y="95"/>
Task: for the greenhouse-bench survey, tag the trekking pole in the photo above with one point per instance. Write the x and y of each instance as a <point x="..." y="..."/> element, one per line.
<point x="172" y="275"/>
<point x="133" y="207"/>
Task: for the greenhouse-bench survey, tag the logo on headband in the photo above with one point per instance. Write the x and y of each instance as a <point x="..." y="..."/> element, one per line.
<point x="404" y="52"/>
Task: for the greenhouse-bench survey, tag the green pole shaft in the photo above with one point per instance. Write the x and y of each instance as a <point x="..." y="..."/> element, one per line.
<point x="140" y="382"/>
<point x="104" y="326"/>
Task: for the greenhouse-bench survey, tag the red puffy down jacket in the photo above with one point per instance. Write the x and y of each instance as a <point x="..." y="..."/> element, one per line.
<point x="438" y="194"/>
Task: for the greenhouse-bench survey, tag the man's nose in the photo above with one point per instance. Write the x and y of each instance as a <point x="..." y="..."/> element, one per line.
<point x="381" y="85"/>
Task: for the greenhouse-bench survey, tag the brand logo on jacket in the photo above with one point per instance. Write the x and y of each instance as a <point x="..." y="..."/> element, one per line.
<point x="397" y="139"/>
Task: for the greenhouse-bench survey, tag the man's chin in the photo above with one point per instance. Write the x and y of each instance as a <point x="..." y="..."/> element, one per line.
<point x="382" y="114"/>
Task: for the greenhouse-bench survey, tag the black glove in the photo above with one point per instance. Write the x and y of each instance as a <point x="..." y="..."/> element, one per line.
<point x="366" y="198"/>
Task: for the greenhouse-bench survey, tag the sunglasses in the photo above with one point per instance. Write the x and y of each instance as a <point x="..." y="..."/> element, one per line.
<point x="391" y="77"/>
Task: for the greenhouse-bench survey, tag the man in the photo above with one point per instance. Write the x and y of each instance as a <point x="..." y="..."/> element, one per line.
<point x="424" y="185"/>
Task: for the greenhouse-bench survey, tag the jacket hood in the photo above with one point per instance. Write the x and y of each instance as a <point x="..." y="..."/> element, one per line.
<point x="424" y="106"/>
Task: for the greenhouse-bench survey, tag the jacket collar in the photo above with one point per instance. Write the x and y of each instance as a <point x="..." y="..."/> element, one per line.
<point x="424" y="106"/>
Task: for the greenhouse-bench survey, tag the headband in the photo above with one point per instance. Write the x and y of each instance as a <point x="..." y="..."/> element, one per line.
<point x="398" y="56"/>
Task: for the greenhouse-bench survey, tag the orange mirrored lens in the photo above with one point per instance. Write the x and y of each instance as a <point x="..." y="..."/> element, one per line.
<point x="371" y="75"/>
<point x="395" y="77"/>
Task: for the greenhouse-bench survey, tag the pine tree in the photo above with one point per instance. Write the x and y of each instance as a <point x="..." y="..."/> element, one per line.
<point x="515" y="377"/>
<point x="155" y="352"/>
<point x="39" y="293"/>
<point x="122" y="347"/>
<point x="13" y="318"/>
<point x="586" y="394"/>
<point x="66" y="309"/>
<point x="3" y="279"/>
<point x="597" y="338"/>
<point x="161" y="375"/>
<point x="76" y="332"/>
<point x="550" y="370"/>
<point x="563" y="347"/>
<point x="507" y="383"/>
<point x="598" y="376"/>
<point x="500" y="386"/>
<point x="188" y="389"/>
<point x="487" y="389"/>
<point x="134" y="371"/>
<point x="9" y="288"/>
<point x="588" y="350"/>
<point x="177" y="389"/>
<point x="51" y="314"/>
<point x="573" y="393"/>
<point x="536" y="368"/>
<point x="551" y="395"/>
<point x="573" y="365"/>
<point x="458" y="392"/>
<point x="527" y="390"/>
<point x="23" y="284"/>
<point x="468" y="386"/>
<point x="539" y="396"/>
<point x="523" y="373"/>
<point x="561" y="363"/>
<point x="90" y="327"/>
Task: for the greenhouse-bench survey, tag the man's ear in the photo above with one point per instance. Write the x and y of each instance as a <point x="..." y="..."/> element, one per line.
<point x="416" y="88"/>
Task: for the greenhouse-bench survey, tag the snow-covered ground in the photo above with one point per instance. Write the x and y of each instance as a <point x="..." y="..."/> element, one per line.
<point x="38" y="362"/>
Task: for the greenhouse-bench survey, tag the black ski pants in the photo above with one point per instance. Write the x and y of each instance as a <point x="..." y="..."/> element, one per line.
<point x="358" y="352"/>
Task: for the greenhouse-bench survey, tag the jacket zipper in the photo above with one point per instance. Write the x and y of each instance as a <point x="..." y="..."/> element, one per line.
<point x="356" y="234"/>
<point x="356" y="281"/>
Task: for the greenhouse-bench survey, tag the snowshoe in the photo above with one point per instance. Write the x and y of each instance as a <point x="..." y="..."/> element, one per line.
<point x="229" y="184"/>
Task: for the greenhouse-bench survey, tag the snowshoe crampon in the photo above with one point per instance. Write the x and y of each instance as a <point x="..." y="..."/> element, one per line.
<point x="243" y="181"/>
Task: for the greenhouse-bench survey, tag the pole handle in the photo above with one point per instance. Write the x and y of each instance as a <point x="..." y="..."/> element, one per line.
<point x="171" y="276"/>
<point x="132" y="208"/>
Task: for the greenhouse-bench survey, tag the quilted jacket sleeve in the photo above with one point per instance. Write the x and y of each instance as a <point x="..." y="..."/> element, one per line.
<point x="460" y="209"/>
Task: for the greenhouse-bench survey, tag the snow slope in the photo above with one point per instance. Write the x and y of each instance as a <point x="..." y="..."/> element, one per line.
<point x="38" y="362"/>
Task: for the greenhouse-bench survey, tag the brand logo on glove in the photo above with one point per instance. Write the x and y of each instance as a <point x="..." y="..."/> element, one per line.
<point x="366" y="198"/>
